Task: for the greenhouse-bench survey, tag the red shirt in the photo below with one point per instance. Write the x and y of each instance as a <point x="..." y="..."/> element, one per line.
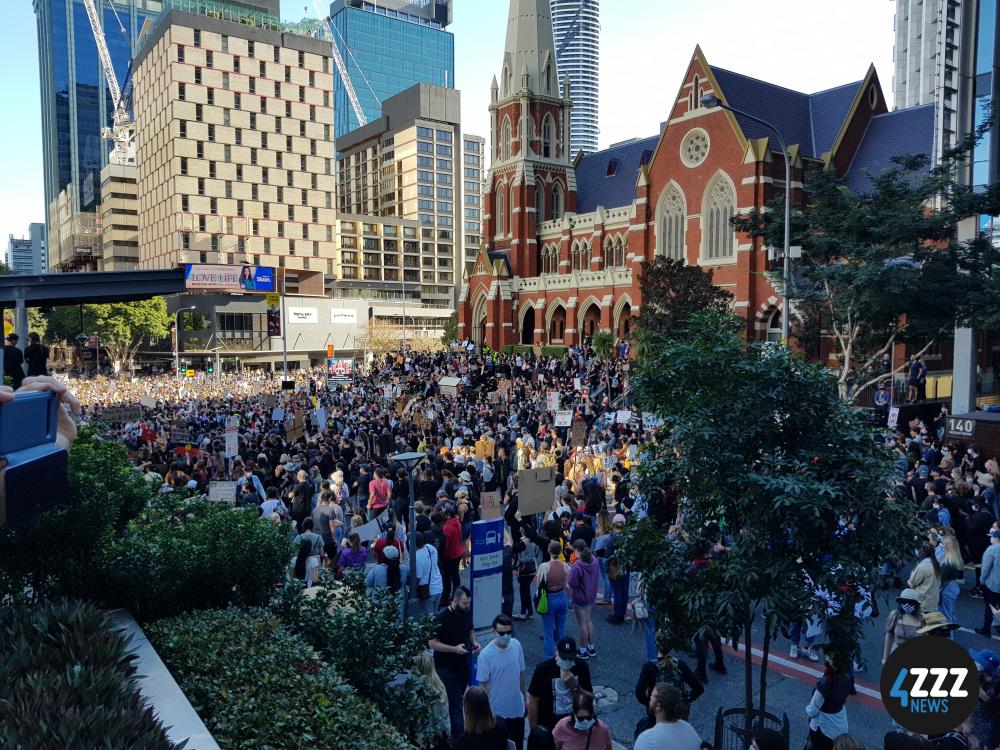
<point x="453" y="547"/>
<point x="378" y="492"/>
<point x="380" y="545"/>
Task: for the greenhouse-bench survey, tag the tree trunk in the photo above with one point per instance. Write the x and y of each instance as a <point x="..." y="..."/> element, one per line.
<point x="768" y="628"/>
<point x="748" y="669"/>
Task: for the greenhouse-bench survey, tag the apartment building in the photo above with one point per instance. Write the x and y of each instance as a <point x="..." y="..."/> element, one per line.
<point x="415" y="163"/>
<point x="119" y="218"/>
<point x="236" y="148"/>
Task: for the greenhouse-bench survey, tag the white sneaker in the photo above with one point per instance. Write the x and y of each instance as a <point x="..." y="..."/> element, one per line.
<point x="811" y="653"/>
<point x="793" y="652"/>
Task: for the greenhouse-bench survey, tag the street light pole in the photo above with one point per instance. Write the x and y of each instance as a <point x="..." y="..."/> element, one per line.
<point x="177" y="344"/>
<point x="711" y="101"/>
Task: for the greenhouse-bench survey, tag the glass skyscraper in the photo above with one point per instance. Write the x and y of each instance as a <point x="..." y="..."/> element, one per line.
<point x="76" y="103"/>
<point x="388" y="46"/>
<point x="576" y="26"/>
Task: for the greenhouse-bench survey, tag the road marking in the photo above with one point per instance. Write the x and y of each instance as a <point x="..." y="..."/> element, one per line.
<point x="867" y="693"/>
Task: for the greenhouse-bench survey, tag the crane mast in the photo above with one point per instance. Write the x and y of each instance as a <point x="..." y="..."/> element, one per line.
<point x="122" y="131"/>
<point x="342" y="69"/>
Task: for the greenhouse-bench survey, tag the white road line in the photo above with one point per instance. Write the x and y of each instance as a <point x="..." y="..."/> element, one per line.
<point x="790" y="664"/>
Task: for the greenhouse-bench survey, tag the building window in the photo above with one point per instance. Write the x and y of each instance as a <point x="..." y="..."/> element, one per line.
<point x="197" y="37"/>
<point x="209" y="58"/>
<point x="547" y="137"/>
<point x="539" y="201"/>
<point x="670" y="223"/>
<point x="506" y="139"/>
<point x="501" y="212"/>
<point x="718" y="208"/>
<point x="180" y="53"/>
<point x="774" y="326"/>
<point x="181" y="91"/>
<point x="197" y="74"/>
<point x="557" y="201"/>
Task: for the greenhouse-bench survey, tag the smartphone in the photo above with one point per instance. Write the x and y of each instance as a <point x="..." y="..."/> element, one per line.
<point x="33" y="477"/>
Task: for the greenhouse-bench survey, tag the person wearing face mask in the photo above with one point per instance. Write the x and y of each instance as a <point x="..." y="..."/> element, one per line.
<point x="500" y="672"/>
<point x="903" y="623"/>
<point x="453" y="642"/>
<point x="582" y="730"/>
<point x="553" y="684"/>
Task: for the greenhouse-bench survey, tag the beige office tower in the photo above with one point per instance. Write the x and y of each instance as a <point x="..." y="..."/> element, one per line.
<point x="415" y="163"/>
<point x="235" y="132"/>
<point x="119" y="218"/>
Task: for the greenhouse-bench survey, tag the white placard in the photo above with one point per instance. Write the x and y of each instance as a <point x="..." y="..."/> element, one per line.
<point x="893" y="416"/>
<point x="232" y="422"/>
<point x="564" y="418"/>
<point x="552" y="400"/>
<point x="147" y="402"/>
<point x="320" y="418"/>
<point x="650" y="421"/>
<point x="369" y="531"/>
<point x="302" y="315"/>
<point x="344" y="317"/>
<point x="623" y="416"/>
<point x="232" y="443"/>
<point x="222" y="492"/>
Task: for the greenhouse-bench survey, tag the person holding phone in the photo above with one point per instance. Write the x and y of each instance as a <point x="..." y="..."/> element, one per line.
<point x="453" y="642"/>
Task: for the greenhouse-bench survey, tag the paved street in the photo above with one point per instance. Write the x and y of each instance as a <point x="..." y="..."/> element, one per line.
<point x="790" y="681"/>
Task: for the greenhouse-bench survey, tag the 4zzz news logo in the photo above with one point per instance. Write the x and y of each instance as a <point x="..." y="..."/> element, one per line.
<point x="930" y="685"/>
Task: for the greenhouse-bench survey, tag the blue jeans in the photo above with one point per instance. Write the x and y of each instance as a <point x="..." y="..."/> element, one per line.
<point x="455" y="684"/>
<point x="619" y="591"/>
<point x="649" y="633"/>
<point x="554" y="622"/>
<point x="949" y="595"/>
<point x="605" y="582"/>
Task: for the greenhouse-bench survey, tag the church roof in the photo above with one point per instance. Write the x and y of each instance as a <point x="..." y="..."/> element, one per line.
<point x="607" y="178"/>
<point x="811" y="121"/>
<point x="905" y="132"/>
<point x="530" y="44"/>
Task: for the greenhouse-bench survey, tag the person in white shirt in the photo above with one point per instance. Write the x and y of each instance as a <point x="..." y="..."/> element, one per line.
<point x="670" y="731"/>
<point x="428" y="575"/>
<point x="500" y="672"/>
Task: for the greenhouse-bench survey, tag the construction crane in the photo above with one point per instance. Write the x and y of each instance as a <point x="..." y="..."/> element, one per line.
<point x="342" y="68"/>
<point x="122" y="132"/>
<point x="575" y="29"/>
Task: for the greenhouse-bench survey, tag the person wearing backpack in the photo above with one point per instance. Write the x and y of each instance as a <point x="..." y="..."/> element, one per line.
<point x="670" y="670"/>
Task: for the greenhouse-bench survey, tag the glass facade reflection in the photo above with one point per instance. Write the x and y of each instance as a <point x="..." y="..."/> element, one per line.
<point x="75" y="100"/>
<point x="389" y="52"/>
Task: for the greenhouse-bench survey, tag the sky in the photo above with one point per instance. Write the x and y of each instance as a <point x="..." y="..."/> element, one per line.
<point x="646" y="45"/>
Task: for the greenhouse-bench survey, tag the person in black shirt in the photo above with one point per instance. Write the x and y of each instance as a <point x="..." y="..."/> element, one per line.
<point x="453" y="642"/>
<point x="36" y="355"/>
<point x="582" y="530"/>
<point x="553" y="683"/>
<point x="13" y="372"/>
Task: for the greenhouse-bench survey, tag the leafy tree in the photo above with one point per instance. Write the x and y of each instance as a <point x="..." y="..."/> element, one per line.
<point x="450" y="330"/>
<point x="883" y="267"/>
<point x="5" y="270"/>
<point x="121" y="327"/>
<point x="761" y="444"/>
<point x="671" y="293"/>
<point x="603" y="343"/>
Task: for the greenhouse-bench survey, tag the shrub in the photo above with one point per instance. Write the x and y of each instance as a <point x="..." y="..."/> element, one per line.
<point x="518" y="349"/>
<point x="68" y="680"/>
<point x="188" y="553"/>
<point x="370" y="644"/>
<point x="258" y="685"/>
<point x="104" y="495"/>
<point x="553" y="351"/>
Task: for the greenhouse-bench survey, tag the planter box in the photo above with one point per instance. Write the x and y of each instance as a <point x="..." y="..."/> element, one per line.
<point x="160" y="690"/>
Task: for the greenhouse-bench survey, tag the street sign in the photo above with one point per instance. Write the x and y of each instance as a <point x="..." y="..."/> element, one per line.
<point x="487" y="569"/>
<point x="273" y="300"/>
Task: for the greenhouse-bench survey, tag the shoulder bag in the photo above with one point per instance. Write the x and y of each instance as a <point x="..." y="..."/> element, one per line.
<point x="542" y="596"/>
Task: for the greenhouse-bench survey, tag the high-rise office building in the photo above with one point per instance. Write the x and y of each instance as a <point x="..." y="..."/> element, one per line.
<point x="28" y="255"/>
<point x="412" y="162"/>
<point x="235" y="160"/>
<point x="388" y="46"/>
<point x="576" y="27"/>
<point x="928" y="58"/>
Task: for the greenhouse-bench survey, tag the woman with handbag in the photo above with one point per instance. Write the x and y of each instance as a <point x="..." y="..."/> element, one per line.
<point x="550" y="600"/>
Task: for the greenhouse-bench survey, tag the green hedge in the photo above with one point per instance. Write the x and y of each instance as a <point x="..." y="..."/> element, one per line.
<point x="554" y="351"/>
<point x="518" y="349"/>
<point x="187" y="553"/>
<point x="68" y="681"/>
<point x="368" y="643"/>
<point x="255" y="684"/>
<point x="55" y="556"/>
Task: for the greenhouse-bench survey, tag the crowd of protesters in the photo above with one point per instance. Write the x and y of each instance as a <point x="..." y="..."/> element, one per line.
<point x="321" y="457"/>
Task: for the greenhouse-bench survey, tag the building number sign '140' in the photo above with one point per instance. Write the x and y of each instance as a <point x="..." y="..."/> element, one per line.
<point x="961" y="427"/>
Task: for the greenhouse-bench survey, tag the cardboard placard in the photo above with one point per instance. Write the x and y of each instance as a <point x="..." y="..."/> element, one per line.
<point x="623" y="416"/>
<point x="490" y="505"/>
<point x="297" y="429"/>
<point x="270" y="401"/>
<point x="122" y="414"/>
<point x="536" y="490"/>
<point x="147" y="402"/>
<point x="232" y="444"/>
<point x="222" y="492"/>
<point x="369" y="531"/>
<point x="564" y="418"/>
<point x="578" y="437"/>
<point x="181" y="437"/>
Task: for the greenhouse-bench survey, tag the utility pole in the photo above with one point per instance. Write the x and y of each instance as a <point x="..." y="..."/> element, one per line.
<point x="284" y="330"/>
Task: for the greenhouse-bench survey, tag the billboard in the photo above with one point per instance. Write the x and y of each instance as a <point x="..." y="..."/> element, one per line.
<point x="340" y="370"/>
<point x="229" y="278"/>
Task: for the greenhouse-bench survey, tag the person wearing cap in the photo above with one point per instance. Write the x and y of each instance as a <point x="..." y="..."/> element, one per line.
<point x="990" y="582"/>
<point x="670" y="730"/>
<point x="903" y="623"/>
<point x="389" y="576"/>
<point x="553" y="683"/>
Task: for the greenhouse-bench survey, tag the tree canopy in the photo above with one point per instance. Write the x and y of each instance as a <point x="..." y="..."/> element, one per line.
<point x="884" y="266"/>
<point x="121" y="327"/>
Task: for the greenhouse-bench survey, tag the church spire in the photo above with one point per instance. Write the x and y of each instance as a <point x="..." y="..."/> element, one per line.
<point x="530" y="46"/>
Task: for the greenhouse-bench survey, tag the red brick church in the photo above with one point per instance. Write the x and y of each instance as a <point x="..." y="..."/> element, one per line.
<point x="564" y="240"/>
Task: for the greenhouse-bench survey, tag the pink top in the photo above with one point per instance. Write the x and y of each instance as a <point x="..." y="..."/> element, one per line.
<point x="568" y="738"/>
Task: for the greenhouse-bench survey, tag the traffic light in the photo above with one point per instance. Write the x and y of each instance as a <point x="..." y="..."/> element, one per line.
<point x="211" y="368"/>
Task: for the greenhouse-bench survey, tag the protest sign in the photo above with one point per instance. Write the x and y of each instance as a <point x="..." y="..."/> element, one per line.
<point x="536" y="490"/>
<point x="552" y="400"/>
<point x="122" y="414"/>
<point x="369" y="531"/>
<point x="623" y="416"/>
<point x="490" y="505"/>
<point x="578" y="438"/>
<point x="564" y="418"/>
<point x="222" y="492"/>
